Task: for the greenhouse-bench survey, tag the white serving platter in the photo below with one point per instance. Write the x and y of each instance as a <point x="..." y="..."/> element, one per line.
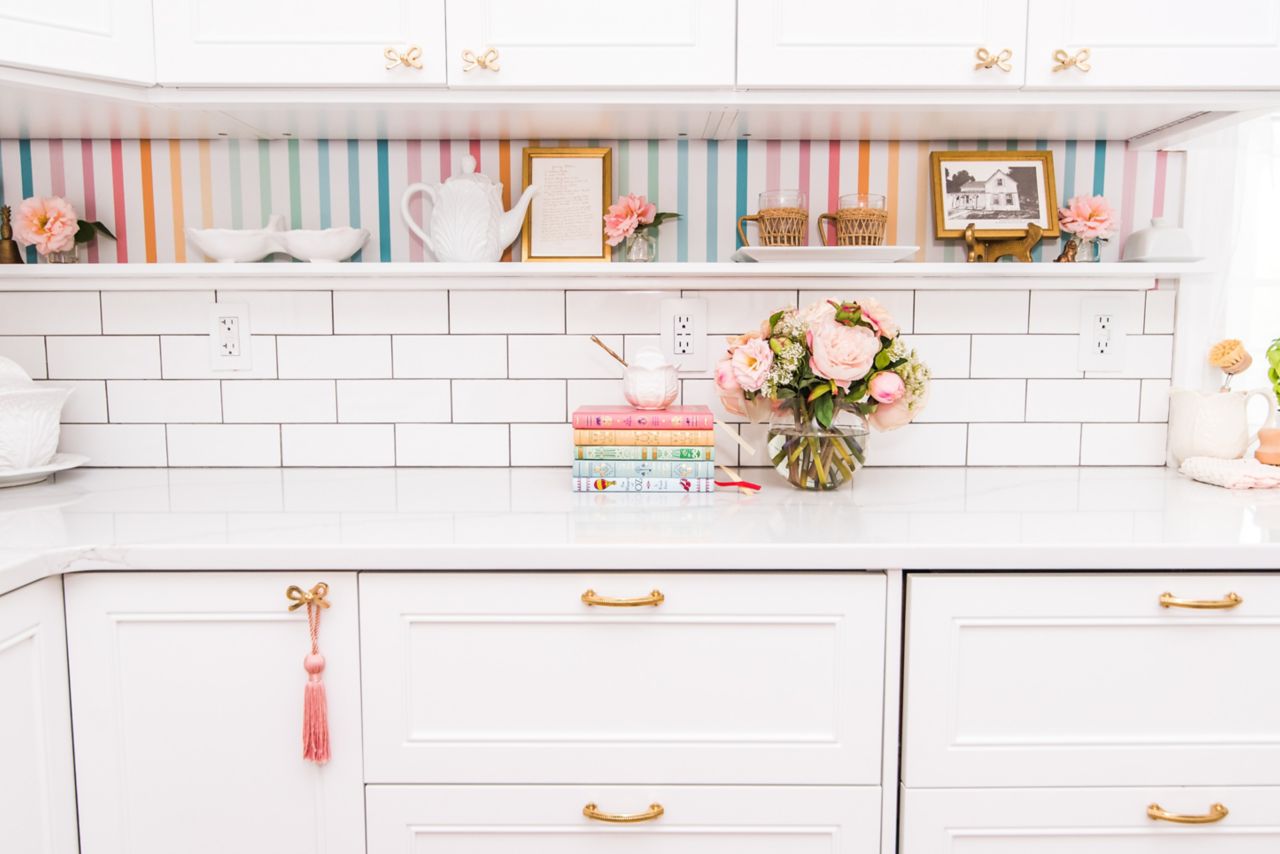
<point x="22" y="477"/>
<point x="859" y="254"/>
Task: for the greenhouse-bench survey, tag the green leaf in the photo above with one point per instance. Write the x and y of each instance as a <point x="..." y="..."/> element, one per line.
<point x="819" y="392"/>
<point x="775" y="344"/>
<point x="882" y="360"/>
<point x="89" y="230"/>
<point x="824" y="410"/>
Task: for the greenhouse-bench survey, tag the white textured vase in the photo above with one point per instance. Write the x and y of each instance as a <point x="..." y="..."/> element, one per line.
<point x="650" y="381"/>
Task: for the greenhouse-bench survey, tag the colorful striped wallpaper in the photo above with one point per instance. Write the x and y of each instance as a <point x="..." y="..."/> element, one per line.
<point x="148" y="191"/>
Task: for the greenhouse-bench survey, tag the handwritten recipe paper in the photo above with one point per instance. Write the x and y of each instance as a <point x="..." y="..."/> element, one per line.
<point x="568" y="210"/>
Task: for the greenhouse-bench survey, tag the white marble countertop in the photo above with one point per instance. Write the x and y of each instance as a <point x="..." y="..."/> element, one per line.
<point x="977" y="518"/>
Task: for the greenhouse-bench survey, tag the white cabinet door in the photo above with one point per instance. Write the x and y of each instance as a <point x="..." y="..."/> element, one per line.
<point x="37" y="782"/>
<point x="299" y="42"/>
<point x="904" y="43"/>
<point x="511" y="678"/>
<point x="110" y="39"/>
<point x="1096" y="821"/>
<point x="584" y="43"/>
<point x="1088" y="680"/>
<point x="188" y="728"/>
<point x="695" y="820"/>
<point x="1155" y="44"/>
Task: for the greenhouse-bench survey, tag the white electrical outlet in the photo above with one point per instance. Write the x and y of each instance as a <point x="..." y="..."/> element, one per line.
<point x="229" y="346"/>
<point x="682" y="327"/>
<point x="1102" y="344"/>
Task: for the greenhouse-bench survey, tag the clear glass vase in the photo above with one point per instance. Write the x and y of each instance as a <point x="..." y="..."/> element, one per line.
<point x="641" y="246"/>
<point x="811" y="456"/>
<point x="69" y="256"/>
<point x="1089" y="251"/>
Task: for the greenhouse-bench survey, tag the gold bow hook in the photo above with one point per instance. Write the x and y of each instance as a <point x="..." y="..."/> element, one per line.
<point x="487" y="60"/>
<point x="986" y="59"/>
<point x="411" y="58"/>
<point x="314" y="596"/>
<point x="1080" y="61"/>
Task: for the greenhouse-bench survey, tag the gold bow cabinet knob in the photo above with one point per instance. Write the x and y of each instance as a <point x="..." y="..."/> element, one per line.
<point x="987" y="59"/>
<point x="302" y="598"/>
<point x="411" y="58"/>
<point x="487" y="60"/>
<point x="1064" y="60"/>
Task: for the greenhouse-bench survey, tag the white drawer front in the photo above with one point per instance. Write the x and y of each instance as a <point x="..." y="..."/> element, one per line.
<point x="732" y="679"/>
<point x="1097" y="821"/>
<point x="1088" y="680"/>
<point x="549" y="820"/>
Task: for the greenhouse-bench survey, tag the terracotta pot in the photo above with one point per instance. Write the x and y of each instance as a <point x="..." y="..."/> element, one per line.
<point x="1269" y="446"/>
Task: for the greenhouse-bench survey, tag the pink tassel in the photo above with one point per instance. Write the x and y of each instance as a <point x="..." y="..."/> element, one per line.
<point x="315" y="712"/>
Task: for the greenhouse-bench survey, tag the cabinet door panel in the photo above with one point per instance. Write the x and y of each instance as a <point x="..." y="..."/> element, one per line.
<point x="576" y="43"/>
<point x="906" y="43"/>
<point x="298" y="42"/>
<point x="188" y="694"/>
<point x="110" y="39"/>
<point x="37" y="782"/>
<point x="1157" y="44"/>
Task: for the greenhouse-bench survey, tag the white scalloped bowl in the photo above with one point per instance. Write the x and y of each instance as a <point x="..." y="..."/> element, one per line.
<point x="326" y="245"/>
<point x="30" y="417"/>
<point x="235" y="245"/>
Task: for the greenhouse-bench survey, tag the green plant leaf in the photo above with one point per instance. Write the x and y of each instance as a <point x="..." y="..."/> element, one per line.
<point x="819" y="392"/>
<point x="824" y="411"/>
<point x="88" y="230"/>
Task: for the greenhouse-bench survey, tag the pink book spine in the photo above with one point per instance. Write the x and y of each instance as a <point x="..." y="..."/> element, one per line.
<point x="626" y="419"/>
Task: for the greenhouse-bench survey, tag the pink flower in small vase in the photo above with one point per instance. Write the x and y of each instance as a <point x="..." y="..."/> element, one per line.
<point x="1088" y="217"/>
<point x="50" y="225"/>
<point x="751" y="363"/>
<point x="878" y="316"/>
<point x="626" y="215"/>
<point x="887" y="387"/>
<point x="842" y="353"/>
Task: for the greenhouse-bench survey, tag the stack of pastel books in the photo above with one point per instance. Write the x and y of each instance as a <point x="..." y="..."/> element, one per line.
<point x="621" y="449"/>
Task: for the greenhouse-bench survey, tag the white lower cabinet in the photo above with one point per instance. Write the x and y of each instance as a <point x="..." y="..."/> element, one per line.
<point x="188" y="689"/>
<point x="37" y="783"/>
<point x="729" y="678"/>
<point x="694" y="820"/>
<point x="1096" y="821"/>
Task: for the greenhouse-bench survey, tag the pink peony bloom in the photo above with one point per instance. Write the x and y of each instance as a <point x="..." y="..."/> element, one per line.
<point x="842" y="353"/>
<point x="878" y="316"/>
<point x="887" y="387"/>
<point x="49" y="225"/>
<point x="725" y="378"/>
<point x="1087" y="217"/>
<point x="626" y="215"/>
<point x="891" y="416"/>
<point x="817" y="312"/>
<point x="751" y="363"/>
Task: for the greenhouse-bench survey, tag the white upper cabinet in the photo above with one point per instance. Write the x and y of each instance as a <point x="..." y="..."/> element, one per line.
<point x="299" y="42"/>
<point x="904" y="43"/>
<point x="578" y="43"/>
<point x="109" y="39"/>
<point x="1155" y="44"/>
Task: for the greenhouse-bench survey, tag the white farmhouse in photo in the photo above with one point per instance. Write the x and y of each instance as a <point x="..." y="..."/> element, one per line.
<point x="998" y="193"/>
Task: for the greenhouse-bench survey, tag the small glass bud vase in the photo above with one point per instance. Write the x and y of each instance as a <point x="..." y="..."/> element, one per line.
<point x="1088" y="251"/>
<point x="641" y="246"/>
<point x="68" y="256"/>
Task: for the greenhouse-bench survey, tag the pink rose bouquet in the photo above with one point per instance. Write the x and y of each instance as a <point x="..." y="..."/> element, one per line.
<point x="823" y="370"/>
<point x="50" y="225"/>
<point x="1088" y="218"/>
<point x="631" y="214"/>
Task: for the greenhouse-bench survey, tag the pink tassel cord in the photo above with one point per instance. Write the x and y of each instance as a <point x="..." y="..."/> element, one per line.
<point x="315" y="706"/>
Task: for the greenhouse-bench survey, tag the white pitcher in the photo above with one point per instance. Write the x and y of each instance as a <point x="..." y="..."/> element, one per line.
<point x="1211" y="423"/>
<point x="467" y="222"/>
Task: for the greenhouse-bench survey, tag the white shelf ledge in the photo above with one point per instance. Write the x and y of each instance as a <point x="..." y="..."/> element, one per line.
<point x="587" y="276"/>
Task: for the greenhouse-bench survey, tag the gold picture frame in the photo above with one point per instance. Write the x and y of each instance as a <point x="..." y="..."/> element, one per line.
<point x="568" y="182"/>
<point x="995" y="211"/>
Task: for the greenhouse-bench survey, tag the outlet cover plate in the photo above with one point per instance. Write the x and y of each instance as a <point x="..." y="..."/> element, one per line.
<point x="229" y="345"/>
<point x="1102" y="342"/>
<point x="682" y="330"/>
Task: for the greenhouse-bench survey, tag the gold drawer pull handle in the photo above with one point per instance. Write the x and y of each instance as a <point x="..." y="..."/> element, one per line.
<point x="1217" y="812"/>
<point x="591" y="811"/>
<point x="1231" y="600"/>
<point x="1064" y="60"/>
<point x="411" y="58"/>
<point x="655" y="598"/>
<point x="987" y="59"/>
<point x="487" y="60"/>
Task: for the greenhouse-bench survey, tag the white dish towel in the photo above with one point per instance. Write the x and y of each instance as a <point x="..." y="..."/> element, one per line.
<point x="1233" y="474"/>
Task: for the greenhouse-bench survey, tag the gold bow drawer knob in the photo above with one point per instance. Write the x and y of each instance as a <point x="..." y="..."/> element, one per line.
<point x="487" y="60"/>
<point x="411" y="58"/>
<point x="987" y="59"/>
<point x="1064" y="60"/>
<point x="301" y="598"/>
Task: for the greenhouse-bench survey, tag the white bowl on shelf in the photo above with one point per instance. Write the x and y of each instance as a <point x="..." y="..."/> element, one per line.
<point x="326" y="245"/>
<point x="239" y="245"/>
<point x="1163" y="241"/>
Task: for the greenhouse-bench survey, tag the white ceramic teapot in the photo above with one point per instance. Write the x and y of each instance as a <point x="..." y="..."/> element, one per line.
<point x="467" y="222"/>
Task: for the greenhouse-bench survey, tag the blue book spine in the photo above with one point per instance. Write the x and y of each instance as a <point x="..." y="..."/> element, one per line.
<point x="643" y="468"/>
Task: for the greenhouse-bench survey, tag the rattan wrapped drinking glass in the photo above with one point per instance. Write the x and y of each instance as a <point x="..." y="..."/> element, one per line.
<point x="860" y="220"/>
<point x="782" y="217"/>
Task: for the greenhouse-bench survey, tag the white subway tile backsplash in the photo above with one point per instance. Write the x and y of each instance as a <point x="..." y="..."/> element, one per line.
<point x="285" y="312"/>
<point x="971" y="311"/>
<point x="103" y="358"/>
<point x="541" y="444"/>
<point x="186" y="357"/>
<point x="703" y="392"/>
<point x="1059" y="312"/>
<point x="334" y="356"/>
<point x="50" y="313"/>
<point x="1082" y="400"/>
<point x="1145" y="356"/>
<point x="453" y="445"/>
<point x="569" y="356"/>
<point x="918" y="445"/>
<point x="946" y="355"/>
<point x="899" y="304"/>
<point x="1024" y="444"/>
<point x="156" y="313"/>
<point x="392" y="401"/>
<point x="504" y="401"/>
<point x="595" y="393"/>
<point x="278" y="401"/>
<point x="959" y="401"/>
<point x="735" y="312"/>
<point x="450" y="356"/>
<point x="87" y="403"/>
<point x="116" y="445"/>
<point x="163" y="401"/>
<point x="506" y="311"/>
<point x="1161" y="304"/>
<point x="390" y="312"/>
<point x="27" y="351"/>
<point x="222" y="445"/>
<point x="1123" y="444"/>
<point x="1056" y="356"/>
<point x="615" y="313"/>
<point x="1154" y="404"/>
<point x="338" y="444"/>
